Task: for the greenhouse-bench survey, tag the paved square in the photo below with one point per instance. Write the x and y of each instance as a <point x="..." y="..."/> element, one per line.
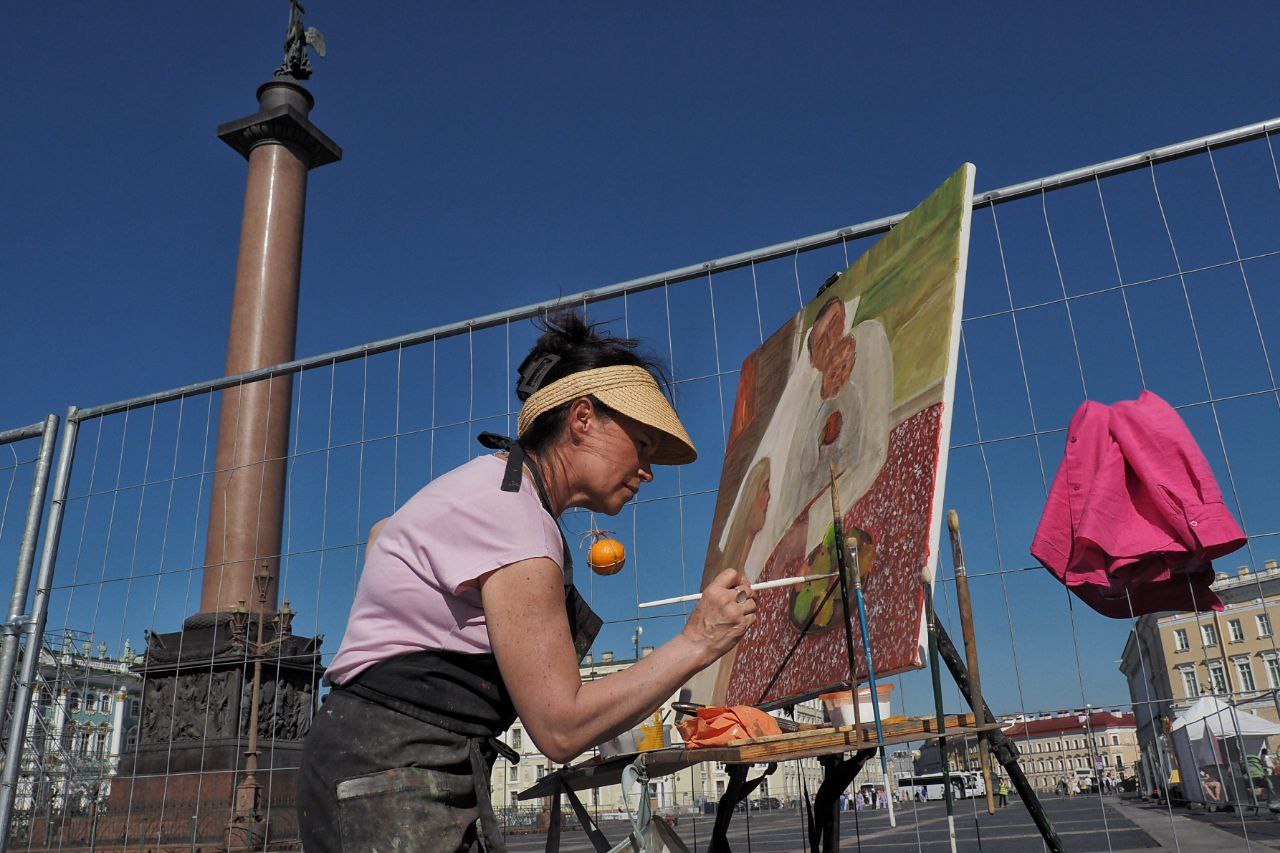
<point x="1083" y="823"/>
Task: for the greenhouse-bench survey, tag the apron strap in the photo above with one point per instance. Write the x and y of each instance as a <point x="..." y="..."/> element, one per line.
<point x="490" y="834"/>
<point x="511" y="477"/>
<point x="584" y="624"/>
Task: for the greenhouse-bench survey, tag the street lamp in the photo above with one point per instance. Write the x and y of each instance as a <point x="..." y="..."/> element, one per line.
<point x="1087" y="721"/>
<point x="246" y="814"/>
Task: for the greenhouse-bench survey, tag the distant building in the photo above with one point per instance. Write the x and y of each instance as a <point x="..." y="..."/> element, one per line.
<point x="1172" y="659"/>
<point x="84" y="711"/>
<point x="1081" y="745"/>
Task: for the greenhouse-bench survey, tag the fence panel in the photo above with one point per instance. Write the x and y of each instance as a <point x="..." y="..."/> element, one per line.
<point x="1159" y="271"/>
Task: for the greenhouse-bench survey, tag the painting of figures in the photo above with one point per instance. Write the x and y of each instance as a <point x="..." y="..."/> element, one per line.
<point x="859" y="382"/>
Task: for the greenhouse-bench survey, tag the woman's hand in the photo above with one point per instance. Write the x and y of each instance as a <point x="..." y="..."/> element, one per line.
<point x="723" y="614"/>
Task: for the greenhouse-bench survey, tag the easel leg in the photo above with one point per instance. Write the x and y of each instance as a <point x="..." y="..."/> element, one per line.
<point x="837" y="774"/>
<point x="735" y="792"/>
<point x="1002" y="748"/>
<point x="965" y="603"/>
<point x="598" y="840"/>
<point x="553" y="827"/>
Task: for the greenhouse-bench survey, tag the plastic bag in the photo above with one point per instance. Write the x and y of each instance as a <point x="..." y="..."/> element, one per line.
<point x="718" y="726"/>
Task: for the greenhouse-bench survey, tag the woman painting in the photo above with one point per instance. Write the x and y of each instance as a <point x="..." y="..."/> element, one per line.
<point x="466" y="616"/>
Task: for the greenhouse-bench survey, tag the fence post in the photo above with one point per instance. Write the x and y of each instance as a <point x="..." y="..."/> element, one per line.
<point x="35" y="636"/>
<point x="15" y="623"/>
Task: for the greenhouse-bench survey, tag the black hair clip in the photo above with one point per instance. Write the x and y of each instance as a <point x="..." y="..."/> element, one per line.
<point x="532" y="373"/>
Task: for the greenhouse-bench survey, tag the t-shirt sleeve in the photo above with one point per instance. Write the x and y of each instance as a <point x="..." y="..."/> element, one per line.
<point x="483" y="530"/>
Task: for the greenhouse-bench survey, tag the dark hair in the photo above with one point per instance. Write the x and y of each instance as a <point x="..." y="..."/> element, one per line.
<point x="579" y="346"/>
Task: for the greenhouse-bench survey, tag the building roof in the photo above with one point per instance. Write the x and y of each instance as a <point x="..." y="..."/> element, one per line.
<point x="1069" y="723"/>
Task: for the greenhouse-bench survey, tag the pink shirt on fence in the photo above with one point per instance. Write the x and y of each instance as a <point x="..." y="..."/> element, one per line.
<point x="417" y="590"/>
<point x="1135" y="515"/>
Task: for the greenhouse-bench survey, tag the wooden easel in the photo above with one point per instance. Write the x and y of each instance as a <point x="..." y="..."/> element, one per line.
<point x="827" y="744"/>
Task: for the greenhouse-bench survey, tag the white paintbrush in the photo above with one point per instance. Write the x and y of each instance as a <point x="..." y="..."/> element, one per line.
<point x="679" y="599"/>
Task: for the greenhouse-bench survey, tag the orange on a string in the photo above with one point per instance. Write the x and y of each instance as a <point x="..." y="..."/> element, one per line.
<point x="607" y="555"/>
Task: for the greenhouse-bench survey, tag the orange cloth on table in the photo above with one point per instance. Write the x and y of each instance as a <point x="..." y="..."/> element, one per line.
<point x="718" y="726"/>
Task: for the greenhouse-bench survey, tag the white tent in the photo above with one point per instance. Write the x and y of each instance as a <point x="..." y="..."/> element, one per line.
<point x="1216" y="736"/>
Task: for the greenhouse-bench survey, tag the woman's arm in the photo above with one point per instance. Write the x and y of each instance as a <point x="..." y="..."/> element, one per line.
<point x="529" y="631"/>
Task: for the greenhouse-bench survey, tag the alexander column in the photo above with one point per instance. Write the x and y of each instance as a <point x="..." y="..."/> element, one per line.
<point x="208" y="699"/>
<point x="281" y="145"/>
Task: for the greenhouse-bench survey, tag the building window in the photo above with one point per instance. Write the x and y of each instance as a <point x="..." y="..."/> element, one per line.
<point x="517" y="739"/>
<point x="1245" y="672"/>
<point x="513" y="774"/>
<point x="1119" y="761"/>
<point x="1218" y="676"/>
<point x="1115" y="740"/>
<point x="1180" y="641"/>
<point x="1190" y="687"/>
<point x="134" y="708"/>
<point x="1264" y="625"/>
<point x="542" y="771"/>
<point x="90" y="702"/>
<point x="73" y="702"/>
<point x="1273" y="669"/>
<point x="105" y="704"/>
<point x="1235" y="630"/>
<point x="1209" y="635"/>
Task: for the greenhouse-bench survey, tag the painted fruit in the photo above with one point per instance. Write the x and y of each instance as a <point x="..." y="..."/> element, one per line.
<point x="607" y="556"/>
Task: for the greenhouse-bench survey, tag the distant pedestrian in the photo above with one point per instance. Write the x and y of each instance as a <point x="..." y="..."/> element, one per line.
<point x="1002" y="792"/>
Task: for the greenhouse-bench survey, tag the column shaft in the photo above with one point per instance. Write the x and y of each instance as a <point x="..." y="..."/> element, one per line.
<point x="253" y="432"/>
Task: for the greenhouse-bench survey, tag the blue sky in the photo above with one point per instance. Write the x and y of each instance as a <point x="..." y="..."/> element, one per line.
<point x="501" y="154"/>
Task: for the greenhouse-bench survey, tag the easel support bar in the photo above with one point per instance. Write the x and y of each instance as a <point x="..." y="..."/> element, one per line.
<point x="1004" y="750"/>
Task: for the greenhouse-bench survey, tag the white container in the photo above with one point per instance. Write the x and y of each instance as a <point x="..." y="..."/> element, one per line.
<point x="839" y="705"/>
<point x="625" y="743"/>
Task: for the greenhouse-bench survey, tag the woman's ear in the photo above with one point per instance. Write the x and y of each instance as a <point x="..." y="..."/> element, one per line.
<point x="582" y="419"/>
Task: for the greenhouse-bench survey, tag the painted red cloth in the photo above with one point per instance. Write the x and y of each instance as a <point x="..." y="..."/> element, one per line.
<point x="1135" y="516"/>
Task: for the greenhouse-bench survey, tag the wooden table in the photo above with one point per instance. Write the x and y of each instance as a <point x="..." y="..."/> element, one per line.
<point x="823" y="742"/>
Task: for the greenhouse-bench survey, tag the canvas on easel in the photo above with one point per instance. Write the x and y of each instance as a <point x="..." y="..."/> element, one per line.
<point x="861" y="378"/>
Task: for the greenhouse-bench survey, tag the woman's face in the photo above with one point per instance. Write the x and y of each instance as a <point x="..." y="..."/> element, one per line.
<point x="613" y="461"/>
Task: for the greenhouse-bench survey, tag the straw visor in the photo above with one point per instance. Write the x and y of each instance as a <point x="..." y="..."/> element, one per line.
<point x="625" y="388"/>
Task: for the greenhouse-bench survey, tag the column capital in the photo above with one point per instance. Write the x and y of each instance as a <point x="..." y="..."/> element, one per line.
<point x="282" y="118"/>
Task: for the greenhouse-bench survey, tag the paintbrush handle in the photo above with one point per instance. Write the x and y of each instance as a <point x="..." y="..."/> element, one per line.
<point x="680" y="599"/>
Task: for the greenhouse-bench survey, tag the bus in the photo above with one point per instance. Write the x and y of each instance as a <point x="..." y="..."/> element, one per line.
<point x="964" y="784"/>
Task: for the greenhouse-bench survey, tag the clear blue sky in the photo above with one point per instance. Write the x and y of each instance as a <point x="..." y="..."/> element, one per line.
<point x="501" y="154"/>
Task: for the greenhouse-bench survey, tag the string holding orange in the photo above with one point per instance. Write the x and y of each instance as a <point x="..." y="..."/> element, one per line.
<point x="607" y="555"/>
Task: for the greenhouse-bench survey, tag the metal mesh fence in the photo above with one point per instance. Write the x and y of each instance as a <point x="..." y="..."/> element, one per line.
<point x="1158" y="272"/>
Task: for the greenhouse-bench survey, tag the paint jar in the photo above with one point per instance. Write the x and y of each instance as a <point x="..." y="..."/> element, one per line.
<point x="625" y="743"/>
<point x="839" y="707"/>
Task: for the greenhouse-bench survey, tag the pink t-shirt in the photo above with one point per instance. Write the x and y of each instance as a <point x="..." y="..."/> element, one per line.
<point x="416" y="592"/>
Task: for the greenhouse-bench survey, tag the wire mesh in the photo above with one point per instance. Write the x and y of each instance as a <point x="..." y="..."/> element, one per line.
<point x="1163" y="275"/>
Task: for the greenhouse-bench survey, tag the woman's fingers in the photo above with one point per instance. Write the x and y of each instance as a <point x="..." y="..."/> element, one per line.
<point x="725" y="612"/>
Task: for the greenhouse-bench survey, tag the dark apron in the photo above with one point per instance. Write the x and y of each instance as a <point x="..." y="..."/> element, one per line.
<point x="388" y="754"/>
